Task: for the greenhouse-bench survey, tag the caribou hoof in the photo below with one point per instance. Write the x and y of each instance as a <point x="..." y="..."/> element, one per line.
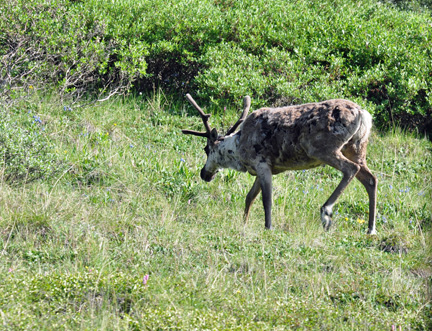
<point x="372" y="232"/>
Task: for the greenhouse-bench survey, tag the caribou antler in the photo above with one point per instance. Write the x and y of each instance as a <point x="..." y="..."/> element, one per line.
<point x="246" y="107"/>
<point x="204" y="118"/>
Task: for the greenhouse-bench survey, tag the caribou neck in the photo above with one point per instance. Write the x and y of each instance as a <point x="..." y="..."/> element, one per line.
<point x="228" y="151"/>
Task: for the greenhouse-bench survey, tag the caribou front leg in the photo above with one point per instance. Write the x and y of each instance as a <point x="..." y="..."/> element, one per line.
<point x="253" y="193"/>
<point x="265" y="178"/>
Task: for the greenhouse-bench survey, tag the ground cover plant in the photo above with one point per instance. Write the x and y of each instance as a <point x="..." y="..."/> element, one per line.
<point x="104" y="221"/>
<point x="126" y="236"/>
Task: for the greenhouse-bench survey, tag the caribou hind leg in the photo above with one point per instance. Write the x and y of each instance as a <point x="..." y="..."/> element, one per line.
<point x="369" y="181"/>
<point x="349" y="170"/>
<point x="357" y="154"/>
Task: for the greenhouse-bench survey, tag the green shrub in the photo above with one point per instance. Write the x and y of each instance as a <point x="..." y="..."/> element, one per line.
<point x="375" y="53"/>
<point x="67" y="46"/>
<point x="316" y="51"/>
<point x="25" y="152"/>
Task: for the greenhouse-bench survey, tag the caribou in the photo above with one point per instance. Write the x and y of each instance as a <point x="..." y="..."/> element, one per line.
<point x="273" y="140"/>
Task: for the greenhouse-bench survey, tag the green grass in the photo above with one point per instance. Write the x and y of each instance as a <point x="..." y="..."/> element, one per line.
<point x="126" y="201"/>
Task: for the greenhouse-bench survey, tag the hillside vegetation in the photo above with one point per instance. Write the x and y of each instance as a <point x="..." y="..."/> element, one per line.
<point x="279" y="52"/>
<point x="104" y="221"/>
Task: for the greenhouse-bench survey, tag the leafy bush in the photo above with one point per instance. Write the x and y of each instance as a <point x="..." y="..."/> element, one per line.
<point x="372" y="52"/>
<point x="62" y="44"/>
<point x="25" y="153"/>
<point x="316" y="51"/>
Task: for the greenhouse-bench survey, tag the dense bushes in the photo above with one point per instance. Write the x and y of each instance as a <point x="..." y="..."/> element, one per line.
<point x="46" y="44"/>
<point x="279" y="52"/>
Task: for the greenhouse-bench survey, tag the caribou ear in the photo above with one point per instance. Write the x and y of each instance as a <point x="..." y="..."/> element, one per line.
<point x="213" y="135"/>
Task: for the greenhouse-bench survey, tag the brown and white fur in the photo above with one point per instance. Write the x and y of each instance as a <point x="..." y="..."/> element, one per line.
<point x="273" y="140"/>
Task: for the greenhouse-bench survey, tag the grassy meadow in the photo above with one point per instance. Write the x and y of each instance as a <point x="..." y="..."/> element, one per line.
<point x="120" y="233"/>
<point x="105" y="223"/>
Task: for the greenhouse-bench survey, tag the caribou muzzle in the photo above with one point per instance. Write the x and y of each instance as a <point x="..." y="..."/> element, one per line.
<point x="207" y="176"/>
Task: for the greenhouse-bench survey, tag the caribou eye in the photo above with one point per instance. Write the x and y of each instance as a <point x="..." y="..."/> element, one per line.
<point x="207" y="150"/>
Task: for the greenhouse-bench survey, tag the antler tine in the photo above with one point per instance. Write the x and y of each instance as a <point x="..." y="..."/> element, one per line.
<point x="196" y="133"/>
<point x="204" y="118"/>
<point x="246" y="107"/>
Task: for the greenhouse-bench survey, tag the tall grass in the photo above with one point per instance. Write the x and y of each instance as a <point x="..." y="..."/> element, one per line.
<point x="127" y="202"/>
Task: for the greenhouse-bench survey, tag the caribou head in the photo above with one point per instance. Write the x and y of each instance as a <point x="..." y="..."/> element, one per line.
<point x="221" y="150"/>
